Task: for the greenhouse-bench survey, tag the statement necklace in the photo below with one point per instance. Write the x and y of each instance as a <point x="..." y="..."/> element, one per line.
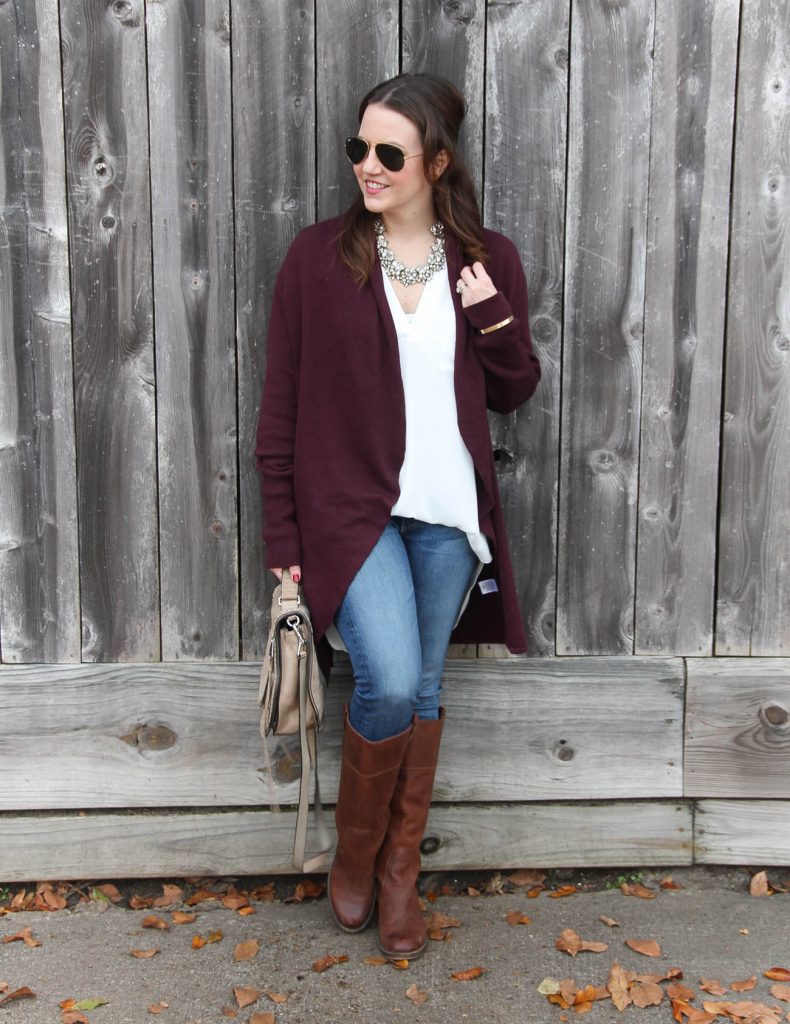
<point x="396" y="271"/>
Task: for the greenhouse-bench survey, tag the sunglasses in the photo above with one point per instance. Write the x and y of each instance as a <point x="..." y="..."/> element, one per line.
<point x="391" y="157"/>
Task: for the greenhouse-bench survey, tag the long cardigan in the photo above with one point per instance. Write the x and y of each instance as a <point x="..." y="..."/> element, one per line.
<point x="332" y="430"/>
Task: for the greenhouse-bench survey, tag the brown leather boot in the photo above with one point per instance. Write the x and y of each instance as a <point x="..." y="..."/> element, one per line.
<point x="368" y="773"/>
<point x="402" y="932"/>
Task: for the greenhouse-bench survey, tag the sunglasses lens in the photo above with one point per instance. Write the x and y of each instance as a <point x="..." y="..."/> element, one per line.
<point x="356" y="149"/>
<point x="390" y="157"/>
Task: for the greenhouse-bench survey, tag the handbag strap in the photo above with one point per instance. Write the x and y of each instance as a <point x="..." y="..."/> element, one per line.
<point x="309" y="751"/>
<point x="289" y="591"/>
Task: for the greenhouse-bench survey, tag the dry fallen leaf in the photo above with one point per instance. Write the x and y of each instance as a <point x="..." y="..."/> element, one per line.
<point x="549" y="987"/>
<point x="228" y="1011"/>
<point x="182" y="917"/>
<point x="516" y="917"/>
<point x="678" y="991"/>
<point x="416" y="994"/>
<point x="262" y="1018"/>
<point x="646" y="993"/>
<point x="437" y="935"/>
<point x="26" y="936"/>
<point x="158" y="1007"/>
<point x="715" y="988"/>
<point x="201" y="896"/>
<point x="328" y="961"/>
<point x="246" y="950"/>
<point x="400" y="965"/>
<point x="246" y="911"/>
<point x="264" y="893"/>
<point x="170" y="894"/>
<point x="780" y="991"/>
<point x="527" y="877"/>
<point x="618" y="985"/>
<point x="471" y="891"/>
<point x="759" y="884"/>
<point x="609" y="921"/>
<point x="438" y="920"/>
<point x="144" y="954"/>
<point x="637" y="889"/>
<point x="307" y="890"/>
<point x="278" y="997"/>
<point x="571" y="942"/>
<point x="375" y="961"/>
<point x="564" y="890"/>
<point x="669" y="883"/>
<point x="20" y="993"/>
<point x="153" y="921"/>
<point x="468" y="975"/>
<point x="140" y="902"/>
<point x="777" y="974"/>
<point x="647" y="947"/>
<point x="73" y="1017"/>
<point x="246" y="996"/>
<point x="745" y="985"/>
<point x="744" y="1009"/>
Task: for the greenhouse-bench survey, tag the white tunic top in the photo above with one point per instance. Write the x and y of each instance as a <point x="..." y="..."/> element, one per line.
<point x="437" y="479"/>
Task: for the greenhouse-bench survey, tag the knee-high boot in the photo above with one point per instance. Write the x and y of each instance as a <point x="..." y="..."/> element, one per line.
<point x="402" y="932"/>
<point x="368" y="773"/>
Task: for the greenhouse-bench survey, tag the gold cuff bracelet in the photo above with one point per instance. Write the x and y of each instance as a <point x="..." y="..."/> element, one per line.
<point x="495" y="327"/>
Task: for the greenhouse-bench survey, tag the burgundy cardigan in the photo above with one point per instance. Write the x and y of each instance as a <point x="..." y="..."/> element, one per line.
<point x="332" y="429"/>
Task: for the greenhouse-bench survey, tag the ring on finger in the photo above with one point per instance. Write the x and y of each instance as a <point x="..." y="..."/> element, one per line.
<point x="460" y="286"/>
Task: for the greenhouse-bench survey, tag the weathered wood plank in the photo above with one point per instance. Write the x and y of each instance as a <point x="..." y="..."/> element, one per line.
<point x="105" y="108"/>
<point x="178" y="735"/>
<point x="737" y="728"/>
<point x="274" y="192"/>
<point x="192" y="210"/>
<point x="526" y="115"/>
<point x="260" y="842"/>
<point x="370" y="30"/>
<point x="39" y="568"/>
<point x="742" y="832"/>
<point x="609" y="128"/>
<point x="753" y="608"/>
<point x="690" y="158"/>
<point x="449" y="40"/>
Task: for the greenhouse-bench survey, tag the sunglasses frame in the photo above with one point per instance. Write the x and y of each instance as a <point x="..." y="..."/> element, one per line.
<point x="376" y="149"/>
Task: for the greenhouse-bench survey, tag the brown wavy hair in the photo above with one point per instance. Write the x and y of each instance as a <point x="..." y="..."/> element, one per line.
<point x="436" y="108"/>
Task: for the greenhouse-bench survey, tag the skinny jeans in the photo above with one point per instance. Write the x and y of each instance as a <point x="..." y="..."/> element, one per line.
<point x="396" y="620"/>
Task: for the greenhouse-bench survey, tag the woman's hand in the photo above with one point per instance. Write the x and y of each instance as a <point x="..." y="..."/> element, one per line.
<point x="475" y="285"/>
<point x="294" y="570"/>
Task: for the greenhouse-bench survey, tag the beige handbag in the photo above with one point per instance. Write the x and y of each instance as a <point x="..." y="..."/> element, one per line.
<point x="291" y="699"/>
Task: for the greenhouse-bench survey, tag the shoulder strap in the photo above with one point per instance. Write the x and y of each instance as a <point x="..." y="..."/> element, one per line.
<point x="309" y="751"/>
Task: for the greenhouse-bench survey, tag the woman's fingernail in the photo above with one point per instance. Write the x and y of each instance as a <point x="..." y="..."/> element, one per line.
<point x="297" y="577"/>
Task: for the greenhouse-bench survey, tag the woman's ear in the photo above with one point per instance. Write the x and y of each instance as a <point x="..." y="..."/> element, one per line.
<point x="439" y="164"/>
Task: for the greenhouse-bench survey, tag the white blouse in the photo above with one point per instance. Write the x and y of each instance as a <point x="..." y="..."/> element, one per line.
<point x="437" y="479"/>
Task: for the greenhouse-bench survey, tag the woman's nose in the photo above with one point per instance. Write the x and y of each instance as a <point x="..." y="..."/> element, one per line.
<point x="371" y="165"/>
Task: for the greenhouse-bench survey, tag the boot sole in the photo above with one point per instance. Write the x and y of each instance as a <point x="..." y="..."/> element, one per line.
<point x="338" y="922"/>
<point x="413" y="955"/>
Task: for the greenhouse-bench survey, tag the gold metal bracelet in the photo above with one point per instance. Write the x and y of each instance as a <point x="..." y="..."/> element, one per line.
<point x="502" y="323"/>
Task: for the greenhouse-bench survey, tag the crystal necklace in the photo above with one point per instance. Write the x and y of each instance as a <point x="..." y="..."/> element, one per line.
<point x="396" y="271"/>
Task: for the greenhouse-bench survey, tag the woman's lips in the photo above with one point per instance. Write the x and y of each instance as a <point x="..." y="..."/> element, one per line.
<point x="374" y="188"/>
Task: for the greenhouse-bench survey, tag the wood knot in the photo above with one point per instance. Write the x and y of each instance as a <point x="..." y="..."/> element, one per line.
<point x="287" y="764"/>
<point x="563" y="751"/>
<point x="775" y="717"/>
<point x="429" y="845"/>
<point x="150" y="737"/>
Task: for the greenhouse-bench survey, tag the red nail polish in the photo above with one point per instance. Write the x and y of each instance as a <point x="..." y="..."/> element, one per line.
<point x="297" y="577"/>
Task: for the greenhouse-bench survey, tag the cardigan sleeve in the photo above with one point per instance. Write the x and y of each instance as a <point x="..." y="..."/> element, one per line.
<point x="275" y="438"/>
<point x="511" y="368"/>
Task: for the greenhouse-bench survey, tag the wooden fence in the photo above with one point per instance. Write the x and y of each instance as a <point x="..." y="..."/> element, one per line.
<point x="156" y="160"/>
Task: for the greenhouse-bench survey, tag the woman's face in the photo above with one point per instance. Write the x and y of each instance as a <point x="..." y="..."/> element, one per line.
<point x="403" y="192"/>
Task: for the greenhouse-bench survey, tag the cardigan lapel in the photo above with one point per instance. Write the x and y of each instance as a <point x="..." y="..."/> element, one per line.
<point x="377" y="286"/>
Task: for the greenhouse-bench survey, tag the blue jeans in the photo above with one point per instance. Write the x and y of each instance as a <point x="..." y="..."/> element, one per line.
<point x="396" y="620"/>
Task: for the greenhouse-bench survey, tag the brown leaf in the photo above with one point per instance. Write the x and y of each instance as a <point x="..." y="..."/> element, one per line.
<point x="568" y="990"/>
<point x="228" y="1011"/>
<point x="637" y="889"/>
<point x="471" y="891"/>
<point x="20" y="993"/>
<point x="26" y="936"/>
<point x="216" y="936"/>
<point x="235" y="901"/>
<point x="669" y="883"/>
<point x="609" y="921"/>
<point x="110" y="891"/>
<point x="527" y="877"/>
<point x="158" y="1007"/>
<point x="154" y="921"/>
<point x="73" y="1017"/>
<point x="431" y="896"/>
<point x="246" y="996"/>
<point x="777" y="974"/>
<point x="438" y="935"/>
<point x="182" y="917"/>
<point x="679" y="991"/>
<point x="571" y="942"/>
<point x="646" y="993"/>
<point x="438" y="920"/>
<point x="564" y="890"/>
<point x="144" y="954"/>
<point x="647" y="947"/>
<point x="711" y="985"/>
<point x="48" y="899"/>
<point x="328" y="961"/>
<point x="618" y="984"/>
<point x="307" y="890"/>
<point x="140" y="902"/>
<point x="780" y="991"/>
<point x="516" y="917"/>
<point x="745" y="985"/>
<point x="198" y="942"/>
<point x="744" y="1009"/>
<point x="262" y="1018"/>
<point x="280" y="997"/>
<point x="759" y="884"/>
<point x="170" y="894"/>
<point x="264" y="893"/>
<point x="400" y="965"/>
<point x="416" y="994"/>
<point x="201" y="896"/>
<point x="246" y="950"/>
<point x="375" y="961"/>
<point x="468" y="975"/>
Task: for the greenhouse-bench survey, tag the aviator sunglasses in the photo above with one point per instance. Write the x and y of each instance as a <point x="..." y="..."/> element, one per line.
<point x="390" y="156"/>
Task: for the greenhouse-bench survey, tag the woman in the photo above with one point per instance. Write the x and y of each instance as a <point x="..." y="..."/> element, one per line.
<point x="392" y="329"/>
